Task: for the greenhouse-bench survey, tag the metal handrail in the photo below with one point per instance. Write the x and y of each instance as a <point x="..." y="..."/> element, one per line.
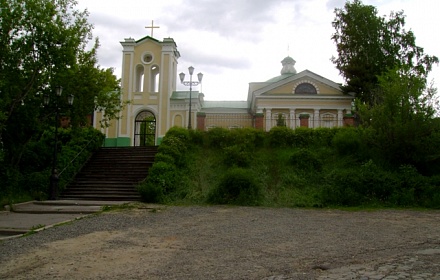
<point x="85" y="146"/>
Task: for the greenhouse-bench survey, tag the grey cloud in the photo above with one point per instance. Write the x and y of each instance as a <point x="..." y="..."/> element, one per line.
<point x="332" y="4"/>
<point x="207" y="60"/>
<point x="228" y="18"/>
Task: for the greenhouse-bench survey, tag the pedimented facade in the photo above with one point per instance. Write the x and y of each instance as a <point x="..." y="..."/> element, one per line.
<point x="149" y="78"/>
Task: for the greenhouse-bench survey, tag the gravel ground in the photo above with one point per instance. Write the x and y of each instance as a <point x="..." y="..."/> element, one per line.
<point x="231" y="243"/>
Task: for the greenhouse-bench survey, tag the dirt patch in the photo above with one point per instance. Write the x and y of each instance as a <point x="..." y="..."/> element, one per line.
<point x="231" y="243"/>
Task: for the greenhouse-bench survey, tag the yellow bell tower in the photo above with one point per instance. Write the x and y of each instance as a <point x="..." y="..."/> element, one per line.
<point x="149" y="72"/>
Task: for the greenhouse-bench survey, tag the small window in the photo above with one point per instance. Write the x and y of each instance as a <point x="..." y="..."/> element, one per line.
<point x="147" y="58"/>
<point x="328" y="120"/>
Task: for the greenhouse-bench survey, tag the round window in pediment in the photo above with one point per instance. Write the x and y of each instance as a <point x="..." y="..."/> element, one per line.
<point x="147" y="58"/>
<point x="305" y="88"/>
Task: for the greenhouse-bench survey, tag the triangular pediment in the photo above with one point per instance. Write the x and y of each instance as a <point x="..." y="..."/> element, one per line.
<point x="147" y="38"/>
<point x="286" y="85"/>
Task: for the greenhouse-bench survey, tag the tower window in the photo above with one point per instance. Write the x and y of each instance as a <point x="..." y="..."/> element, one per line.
<point x="154" y="78"/>
<point x="147" y="58"/>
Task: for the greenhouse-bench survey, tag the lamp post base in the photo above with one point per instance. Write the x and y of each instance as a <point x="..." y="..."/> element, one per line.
<point x="53" y="185"/>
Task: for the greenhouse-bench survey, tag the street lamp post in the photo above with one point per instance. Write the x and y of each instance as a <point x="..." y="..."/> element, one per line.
<point x="190" y="84"/>
<point x="53" y="186"/>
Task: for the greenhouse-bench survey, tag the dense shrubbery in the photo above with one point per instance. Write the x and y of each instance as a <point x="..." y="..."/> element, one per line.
<point x="171" y="161"/>
<point x="306" y="160"/>
<point x="31" y="179"/>
<point x="284" y="167"/>
<point x="237" y="186"/>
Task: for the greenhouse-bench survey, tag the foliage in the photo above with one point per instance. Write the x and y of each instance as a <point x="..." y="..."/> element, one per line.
<point x="404" y="130"/>
<point x="249" y="138"/>
<point x="369" y="45"/>
<point x="306" y="160"/>
<point x="237" y="155"/>
<point x="280" y="136"/>
<point x="44" y="44"/>
<point x="176" y="148"/>
<point x="31" y="179"/>
<point x="168" y="169"/>
<point x="321" y="136"/>
<point x="181" y="133"/>
<point x="239" y="187"/>
<point x="147" y="131"/>
<point x="359" y="185"/>
<point x="280" y="120"/>
<point x="218" y="137"/>
<point x="317" y="173"/>
<point x="349" y="141"/>
<point x="300" y="137"/>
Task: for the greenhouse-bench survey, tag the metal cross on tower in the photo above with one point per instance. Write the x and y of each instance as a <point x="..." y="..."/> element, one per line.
<point x="152" y="27"/>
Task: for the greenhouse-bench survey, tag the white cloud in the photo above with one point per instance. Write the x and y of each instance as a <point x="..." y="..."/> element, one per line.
<point x="235" y="42"/>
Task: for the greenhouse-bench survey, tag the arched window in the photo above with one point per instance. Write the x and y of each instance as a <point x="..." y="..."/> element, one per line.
<point x="154" y="78"/>
<point x="139" y="80"/>
<point x="305" y="88"/>
<point x="178" y="120"/>
<point x="328" y="120"/>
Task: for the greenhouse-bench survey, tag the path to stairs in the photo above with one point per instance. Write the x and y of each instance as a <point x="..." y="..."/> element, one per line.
<point x="34" y="216"/>
<point x="112" y="174"/>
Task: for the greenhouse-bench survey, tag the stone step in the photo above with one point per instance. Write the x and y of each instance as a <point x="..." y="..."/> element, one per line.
<point x="112" y="174"/>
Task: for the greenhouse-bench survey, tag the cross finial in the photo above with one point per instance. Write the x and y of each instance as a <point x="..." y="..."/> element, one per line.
<point x="152" y="27"/>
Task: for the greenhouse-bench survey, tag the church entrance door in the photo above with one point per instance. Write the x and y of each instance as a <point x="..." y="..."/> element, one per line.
<point x="145" y="129"/>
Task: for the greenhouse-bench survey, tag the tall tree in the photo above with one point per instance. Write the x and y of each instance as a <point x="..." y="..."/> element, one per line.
<point x="403" y="122"/>
<point x="369" y="45"/>
<point x="43" y="44"/>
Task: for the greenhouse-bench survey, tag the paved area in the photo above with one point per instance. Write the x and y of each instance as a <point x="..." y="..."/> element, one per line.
<point x="39" y="215"/>
<point x="219" y="242"/>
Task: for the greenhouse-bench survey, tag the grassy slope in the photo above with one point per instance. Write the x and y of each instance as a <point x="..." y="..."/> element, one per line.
<point x="282" y="184"/>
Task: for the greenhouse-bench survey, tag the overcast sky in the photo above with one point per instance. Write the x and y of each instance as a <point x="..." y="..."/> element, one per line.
<point x="235" y="42"/>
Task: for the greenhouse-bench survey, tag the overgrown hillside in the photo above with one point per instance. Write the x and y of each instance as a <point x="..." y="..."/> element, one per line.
<point x="284" y="168"/>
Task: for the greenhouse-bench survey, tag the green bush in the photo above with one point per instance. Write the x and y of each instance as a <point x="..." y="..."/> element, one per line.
<point x="302" y="137"/>
<point x="196" y="137"/>
<point x="163" y="175"/>
<point x="150" y="192"/>
<point x="161" y="157"/>
<point x="280" y="136"/>
<point x="37" y="184"/>
<point x="238" y="187"/>
<point x="80" y="144"/>
<point x="237" y="155"/>
<point x="31" y="178"/>
<point x="218" y="137"/>
<point x="304" y="159"/>
<point x="412" y="186"/>
<point x="323" y="136"/>
<point x="176" y="148"/>
<point x="249" y="137"/>
<point x="366" y="184"/>
<point x="179" y="132"/>
<point x="347" y="141"/>
<point x="340" y="188"/>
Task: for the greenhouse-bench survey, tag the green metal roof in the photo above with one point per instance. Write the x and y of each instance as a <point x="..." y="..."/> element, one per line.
<point x="226" y="104"/>
<point x="279" y="78"/>
<point x="184" y="94"/>
<point x="146" y="38"/>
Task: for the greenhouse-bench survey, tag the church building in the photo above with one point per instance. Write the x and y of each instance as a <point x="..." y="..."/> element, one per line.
<point x="149" y="80"/>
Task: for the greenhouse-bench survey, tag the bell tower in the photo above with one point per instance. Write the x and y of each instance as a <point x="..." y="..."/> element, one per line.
<point x="148" y="79"/>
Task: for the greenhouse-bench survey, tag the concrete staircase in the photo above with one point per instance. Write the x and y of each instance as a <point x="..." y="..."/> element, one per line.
<point x="112" y="174"/>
